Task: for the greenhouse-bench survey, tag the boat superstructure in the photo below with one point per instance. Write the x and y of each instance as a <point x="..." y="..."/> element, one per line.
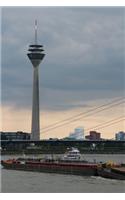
<point x="72" y="154"/>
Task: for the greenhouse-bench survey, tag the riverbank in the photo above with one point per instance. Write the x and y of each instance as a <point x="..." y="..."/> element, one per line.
<point x="33" y="152"/>
<point x="60" y="147"/>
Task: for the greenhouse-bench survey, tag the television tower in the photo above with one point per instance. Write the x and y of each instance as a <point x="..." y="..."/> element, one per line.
<point x="35" y="55"/>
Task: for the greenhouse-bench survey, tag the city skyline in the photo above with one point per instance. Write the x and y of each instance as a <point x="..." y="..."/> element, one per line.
<point x="84" y="66"/>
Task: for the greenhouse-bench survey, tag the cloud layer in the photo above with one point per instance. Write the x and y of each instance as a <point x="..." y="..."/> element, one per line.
<point x="84" y="55"/>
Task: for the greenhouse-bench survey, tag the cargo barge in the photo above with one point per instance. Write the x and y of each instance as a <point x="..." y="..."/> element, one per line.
<point x="88" y="169"/>
<point x="70" y="163"/>
<point x="116" y="172"/>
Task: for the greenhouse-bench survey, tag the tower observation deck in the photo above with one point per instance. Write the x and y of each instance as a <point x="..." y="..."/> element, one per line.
<point x="36" y="55"/>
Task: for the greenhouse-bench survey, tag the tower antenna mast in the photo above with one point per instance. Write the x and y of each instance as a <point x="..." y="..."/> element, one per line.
<point x="35" y="31"/>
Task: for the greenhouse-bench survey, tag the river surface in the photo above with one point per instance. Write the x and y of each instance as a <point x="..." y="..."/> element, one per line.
<point x="13" y="181"/>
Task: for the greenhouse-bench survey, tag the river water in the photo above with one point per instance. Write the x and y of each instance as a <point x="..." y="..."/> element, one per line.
<point x="13" y="181"/>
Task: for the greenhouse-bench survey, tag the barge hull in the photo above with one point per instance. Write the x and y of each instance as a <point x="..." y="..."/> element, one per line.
<point x="54" y="168"/>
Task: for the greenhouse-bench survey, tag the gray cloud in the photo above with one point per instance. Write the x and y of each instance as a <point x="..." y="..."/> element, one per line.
<point x="84" y="55"/>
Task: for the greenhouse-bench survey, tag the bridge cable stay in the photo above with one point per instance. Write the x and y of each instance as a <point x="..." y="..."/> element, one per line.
<point x="82" y="117"/>
<point x="83" y="113"/>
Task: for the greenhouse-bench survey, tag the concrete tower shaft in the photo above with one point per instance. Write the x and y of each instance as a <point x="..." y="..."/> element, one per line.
<point x="35" y="55"/>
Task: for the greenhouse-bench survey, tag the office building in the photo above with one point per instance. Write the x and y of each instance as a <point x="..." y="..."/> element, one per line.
<point x="78" y="134"/>
<point x="19" y="135"/>
<point x="93" y="135"/>
<point x="120" y="136"/>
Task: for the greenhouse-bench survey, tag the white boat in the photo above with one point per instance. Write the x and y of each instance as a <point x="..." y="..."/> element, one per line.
<point x="72" y="154"/>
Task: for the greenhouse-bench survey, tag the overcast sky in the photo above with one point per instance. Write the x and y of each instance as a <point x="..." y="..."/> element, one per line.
<point x="84" y="59"/>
